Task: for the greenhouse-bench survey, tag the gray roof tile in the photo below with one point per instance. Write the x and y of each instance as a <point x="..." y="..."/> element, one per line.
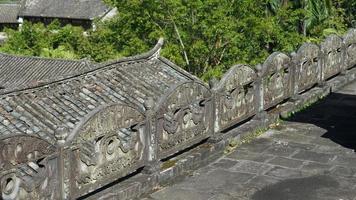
<point x="74" y="9"/>
<point x="66" y="102"/>
<point x="9" y="13"/>
<point x="20" y="72"/>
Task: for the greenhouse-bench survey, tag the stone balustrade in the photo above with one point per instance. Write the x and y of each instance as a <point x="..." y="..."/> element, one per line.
<point x="77" y="135"/>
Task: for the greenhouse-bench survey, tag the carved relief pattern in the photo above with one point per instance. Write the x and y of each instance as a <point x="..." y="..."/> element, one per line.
<point x="276" y="81"/>
<point x="236" y="96"/>
<point x="276" y="87"/>
<point x="237" y="104"/>
<point x="350" y="44"/>
<point x="108" y="145"/>
<point x="185" y="117"/>
<point x="351" y="51"/>
<point x="332" y="56"/>
<point x="307" y="66"/>
<point x="28" y="168"/>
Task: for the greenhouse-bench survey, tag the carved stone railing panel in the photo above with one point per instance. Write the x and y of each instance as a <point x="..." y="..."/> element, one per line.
<point x="332" y="56"/>
<point x="28" y="168"/>
<point x="350" y="45"/>
<point x="109" y="144"/>
<point x="276" y="75"/>
<point x="184" y="118"/>
<point x="235" y="97"/>
<point x="307" y="67"/>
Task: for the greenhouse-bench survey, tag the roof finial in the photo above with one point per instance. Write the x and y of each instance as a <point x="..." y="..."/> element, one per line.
<point x="157" y="49"/>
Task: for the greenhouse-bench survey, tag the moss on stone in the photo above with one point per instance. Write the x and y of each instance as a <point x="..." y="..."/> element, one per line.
<point x="168" y="164"/>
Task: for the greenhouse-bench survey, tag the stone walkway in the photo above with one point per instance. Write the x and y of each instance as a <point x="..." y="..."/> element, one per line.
<point x="308" y="157"/>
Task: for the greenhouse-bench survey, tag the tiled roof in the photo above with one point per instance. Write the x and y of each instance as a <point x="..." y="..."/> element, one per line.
<point x="74" y="9"/>
<point x="9" y="13"/>
<point x="64" y="103"/>
<point x="20" y="72"/>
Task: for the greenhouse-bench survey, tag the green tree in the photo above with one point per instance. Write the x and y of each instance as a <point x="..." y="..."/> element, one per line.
<point x="205" y="37"/>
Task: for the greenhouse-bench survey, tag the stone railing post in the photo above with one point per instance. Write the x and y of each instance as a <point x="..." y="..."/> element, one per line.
<point x="151" y="141"/>
<point x="61" y="135"/>
<point x="216" y="137"/>
<point x="294" y="70"/>
<point x="321" y="66"/>
<point x="259" y="90"/>
<point x="344" y="59"/>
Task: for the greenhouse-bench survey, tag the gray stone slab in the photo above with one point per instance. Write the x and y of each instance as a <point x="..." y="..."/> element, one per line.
<point x="252" y="167"/>
<point x="308" y="188"/>
<point x="286" y="162"/>
<point x="332" y="150"/>
<point x="174" y="193"/>
<point x="348" y="172"/>
<point x="283" y="173"/>
<point x="324" y="142"/>
<point x="247" y="155"/>
<point x="315" y="167"/>
<point x="261" y="181"/>
<point x="280" y="150"/>
<point x="215" y="180"/>
<point x="346" y="160"/>
<point x="347" y="183"/>
<point x="222" y="197"/>
<point x="257" y="146"/>
<point x="314" y="156"/>
<point x="302" y="146"/>
<point x="225" y="163"/>
<point x="300" y="138"/>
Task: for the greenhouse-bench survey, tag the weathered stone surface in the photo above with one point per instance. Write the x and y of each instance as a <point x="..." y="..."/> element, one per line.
<point x="316" y="167"/>
<point x="350" y="45"/>
<point x="249" y="155"/>
<point x="332" y="50"/>
<point x="314" y="156"/>
<point x="28" y="168"/>
<point x="307" y="67"/>
<point x="315" y="187"/>
<point x="280" y="150"/>
<point x="225" y="163"/>
<point x="276" y="84"/>
<point x="108" y="145"/>
<point x="286" y="162"/>
<point x="142" y="121"/>
<point x="257" y="146"/>
<point x="252" y="167"/>
<point x="309" y="173"/>
<point x="235" y="97"/>
<point x="185" y="118"/>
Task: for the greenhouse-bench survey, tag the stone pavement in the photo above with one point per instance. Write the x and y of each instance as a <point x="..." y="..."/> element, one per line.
<point x="310" y="156"/>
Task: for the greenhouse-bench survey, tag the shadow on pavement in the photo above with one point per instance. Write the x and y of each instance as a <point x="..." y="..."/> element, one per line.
<point x="337" y="114"/>
<point x="297" y="189"/>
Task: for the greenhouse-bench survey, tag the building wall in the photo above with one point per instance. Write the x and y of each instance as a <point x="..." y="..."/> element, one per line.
<point x="8" y="25"/>
<point x="86" y="24"/>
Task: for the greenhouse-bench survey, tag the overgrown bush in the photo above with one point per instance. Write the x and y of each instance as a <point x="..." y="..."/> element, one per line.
<point x="205" y="37"/>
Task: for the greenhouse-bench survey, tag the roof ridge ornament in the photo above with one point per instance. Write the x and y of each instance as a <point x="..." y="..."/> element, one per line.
<point x="61" y="135"/>
<point x="156" y="50"/>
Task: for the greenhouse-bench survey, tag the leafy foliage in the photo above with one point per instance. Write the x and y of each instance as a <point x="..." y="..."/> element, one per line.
<point x="205" y="37"/>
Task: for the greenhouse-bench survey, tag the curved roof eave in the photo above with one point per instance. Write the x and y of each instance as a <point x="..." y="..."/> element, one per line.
<point x="153" y="53"/>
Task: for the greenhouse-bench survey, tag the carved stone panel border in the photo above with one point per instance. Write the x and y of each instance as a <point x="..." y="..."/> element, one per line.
<point x="109" y="144"/>
<point x="184" y="118"/>
<point x="350" y="45"/>
<point x="307" y="68"/>
<point x="332" y="56"/>
<point x="276" y="83"/>
<point x="235" y="97"/>
<point x="28" y="168"/>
